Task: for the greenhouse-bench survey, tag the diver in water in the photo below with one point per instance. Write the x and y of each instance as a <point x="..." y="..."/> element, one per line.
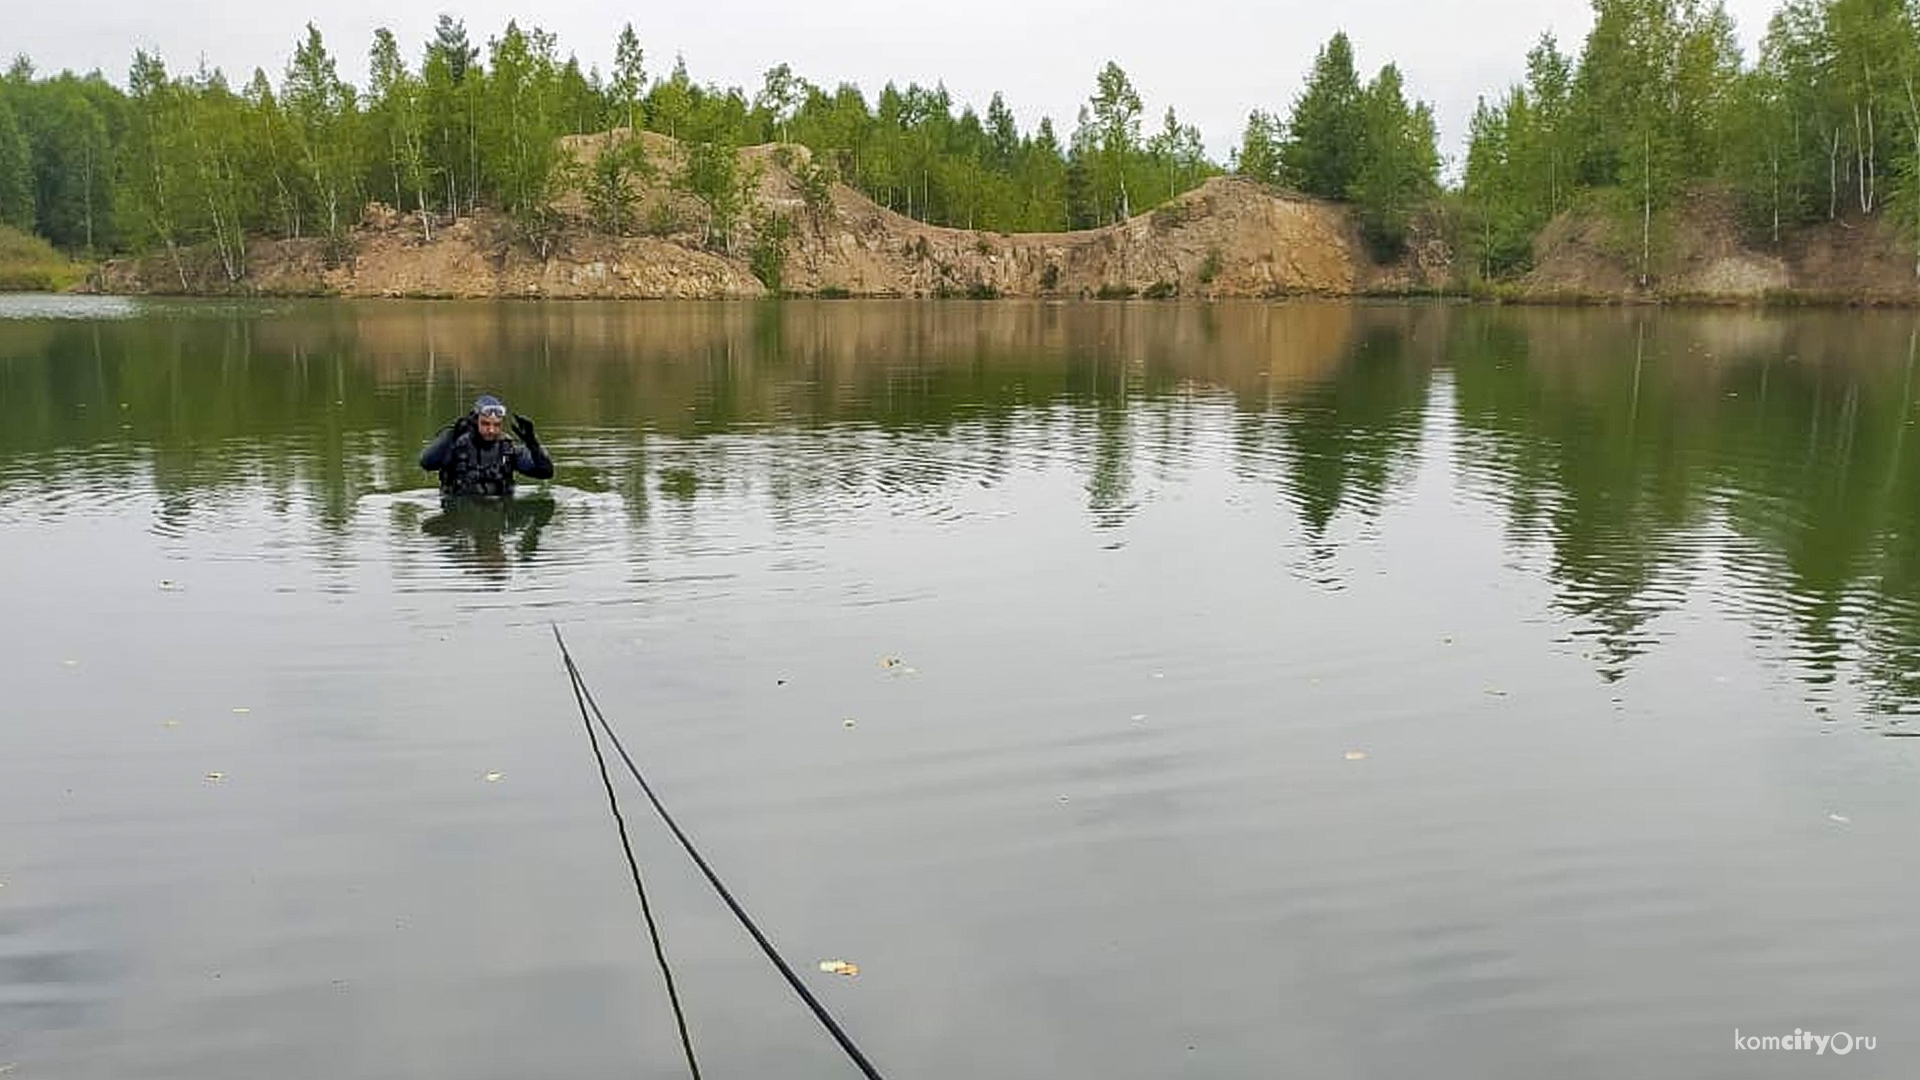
<point x="474" y="458"/>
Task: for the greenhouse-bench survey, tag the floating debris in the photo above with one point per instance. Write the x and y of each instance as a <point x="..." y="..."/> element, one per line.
<point x="169" y="586"/>
<point x="494" y="777"/>
<point x="1138" y="717"/>
<point x="1063" y="798"/>
<point x="1356" y="755"/>
<point x="839" y="967"/>
<point x="216" y="777"/>
<point x="241" y="710"/>
<point x="1841" y="819"/>
<point x="169" y="723"/>
<point x="70" y="663"/>
<point x="1491" y="692"/>
<point x="848" y="722"/>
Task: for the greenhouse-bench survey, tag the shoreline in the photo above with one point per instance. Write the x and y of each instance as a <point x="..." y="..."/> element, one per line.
<point x="1772" y="301"/>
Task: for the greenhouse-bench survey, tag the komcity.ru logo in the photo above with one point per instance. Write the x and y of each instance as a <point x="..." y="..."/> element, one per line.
<point x="1839" y="1042"/>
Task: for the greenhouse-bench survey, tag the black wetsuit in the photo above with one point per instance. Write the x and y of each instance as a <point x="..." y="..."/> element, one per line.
<point x="472" y="466"/>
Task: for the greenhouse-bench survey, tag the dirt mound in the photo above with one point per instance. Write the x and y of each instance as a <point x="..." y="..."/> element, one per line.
<point x="1575" y="255"/>
<point x="1227" y="238"/>
<point x="801" y="234"/>
<point x="1863" y="259"/>
<point x="1704" y="252"/>
<point x="1710" y="254"/>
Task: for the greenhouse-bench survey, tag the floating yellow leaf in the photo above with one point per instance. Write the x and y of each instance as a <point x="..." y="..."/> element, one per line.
<point x="839" y="967"/>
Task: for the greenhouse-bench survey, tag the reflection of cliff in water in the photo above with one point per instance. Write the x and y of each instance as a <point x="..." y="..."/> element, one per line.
<point x="1646" y="458"/>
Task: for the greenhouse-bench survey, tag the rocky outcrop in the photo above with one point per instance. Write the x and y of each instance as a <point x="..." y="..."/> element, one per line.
<point x="1227" y="238"/>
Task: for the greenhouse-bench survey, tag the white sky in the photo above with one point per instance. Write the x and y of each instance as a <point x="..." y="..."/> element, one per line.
<point x="1213" y="60"/>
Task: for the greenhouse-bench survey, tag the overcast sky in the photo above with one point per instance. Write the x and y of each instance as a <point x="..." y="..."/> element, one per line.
<point x="1213" y="60"/>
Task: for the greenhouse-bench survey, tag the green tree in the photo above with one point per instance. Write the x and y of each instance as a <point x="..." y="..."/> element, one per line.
<point x="780" y="94"/>
<point x="1545" y="155"/>
<point x="1321" y="153"/>
<point x="629" y="80"/>
<point x="272" y="160"/>
<point x="213" y="135"/>
<point x="1499" y="229"/>
<point x="397" y="117"/>
<point x="325" y="117"/>
<point x="155" y="189"/>
<point x="712" y="176"/>
<point x="1259" y="154"/>
<point x="16" y="171"/>
<point x="520" y="157"/>
<point x="672" y="100"/>
<point x="1003" y="135"/>
<point x="610" y="184"/>
<point x="1116" y="118"/>
<point x="1399" y="166"/>
<point x="452" y="84"/>
<point x="1042" y="177"/>
<point x="1635" y="126"/>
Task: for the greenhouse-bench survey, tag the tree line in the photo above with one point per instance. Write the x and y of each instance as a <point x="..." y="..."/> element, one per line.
<point x="190" y="160"/>
<point x="1824" y="124"/>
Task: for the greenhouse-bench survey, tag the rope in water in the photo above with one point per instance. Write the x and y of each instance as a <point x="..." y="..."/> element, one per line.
<point x="585" y="698"/>
<point x="633" y="866"/>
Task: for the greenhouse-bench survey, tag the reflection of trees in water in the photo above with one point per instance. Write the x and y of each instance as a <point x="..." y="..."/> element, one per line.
<point x="1623" y="447"/>
<point x="1345" y="441"/>
<point x="1618" y="442"/>
<point x="1590" y="444"/>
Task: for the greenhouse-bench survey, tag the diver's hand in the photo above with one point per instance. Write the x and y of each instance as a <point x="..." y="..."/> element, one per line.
<point x="523" y="427"/>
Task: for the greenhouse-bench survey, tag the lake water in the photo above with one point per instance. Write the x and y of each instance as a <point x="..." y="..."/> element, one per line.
<point x="1130" y="690"/>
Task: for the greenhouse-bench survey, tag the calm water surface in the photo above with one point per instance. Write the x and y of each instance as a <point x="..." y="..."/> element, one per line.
<point x="1131" y="690"/>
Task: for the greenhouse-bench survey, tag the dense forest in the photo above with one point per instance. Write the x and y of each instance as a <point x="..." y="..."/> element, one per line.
<point x="1823" y="124"/>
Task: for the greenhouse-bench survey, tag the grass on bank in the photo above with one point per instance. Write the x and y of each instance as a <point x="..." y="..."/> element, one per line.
<point x="30" y="264"/>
